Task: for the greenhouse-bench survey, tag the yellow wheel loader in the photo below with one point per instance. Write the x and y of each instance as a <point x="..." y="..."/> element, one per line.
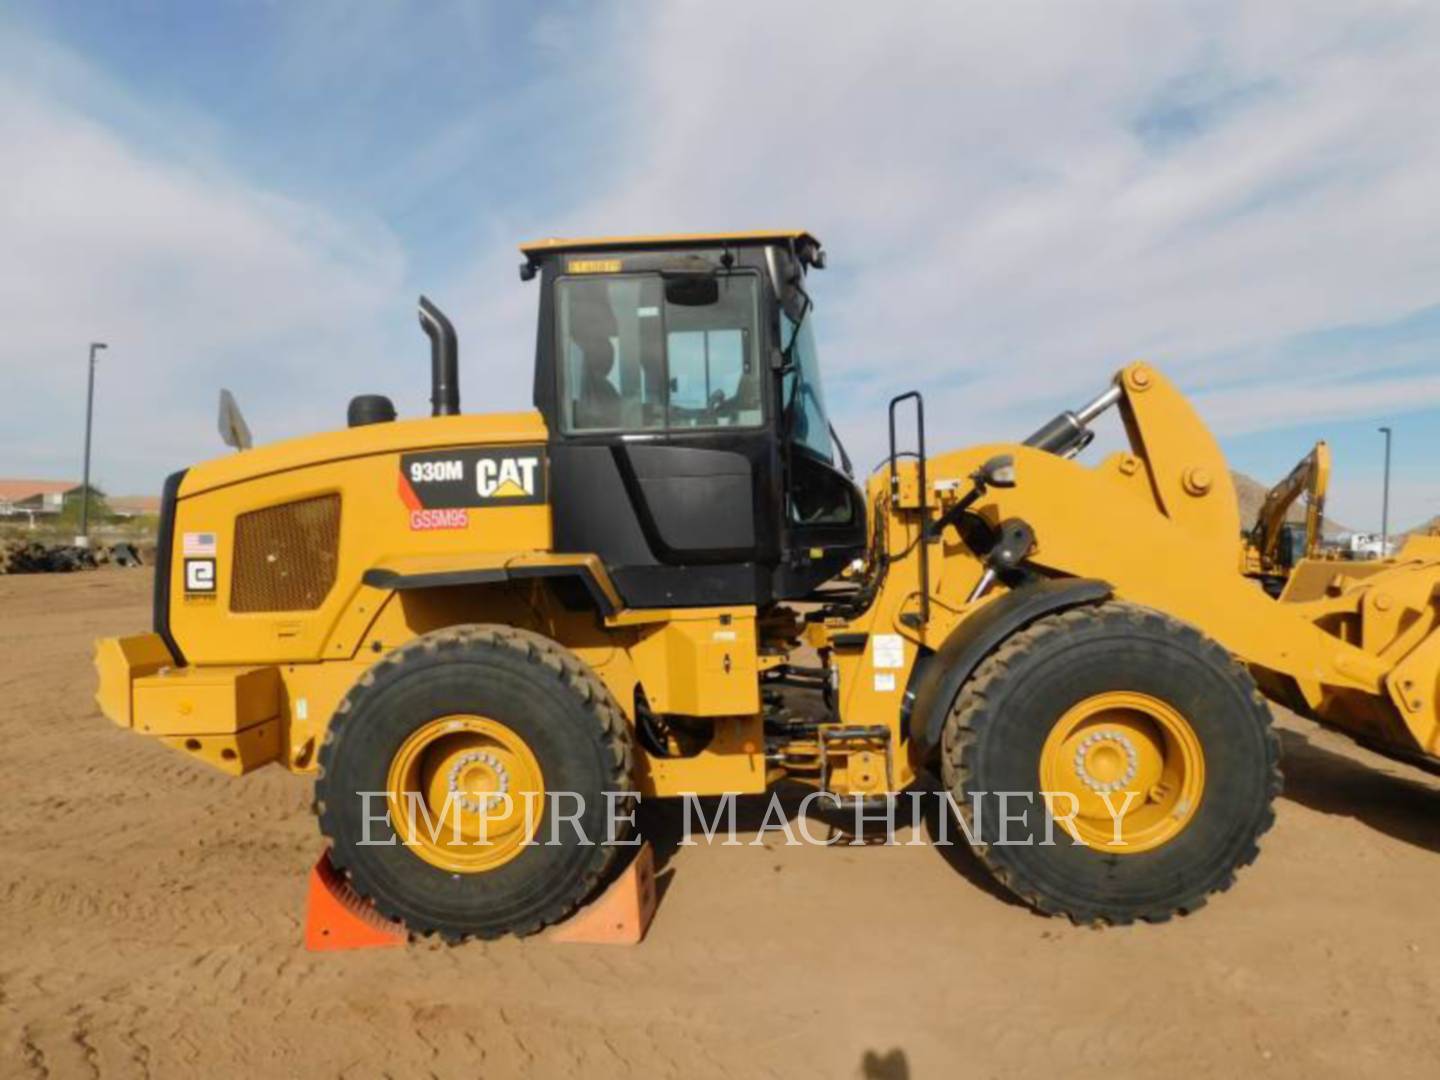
<point x="475" y="628"/>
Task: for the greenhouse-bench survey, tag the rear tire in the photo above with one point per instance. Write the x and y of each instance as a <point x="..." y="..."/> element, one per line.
<point x="518" y="698"/>
<point x="1151" y="693"/>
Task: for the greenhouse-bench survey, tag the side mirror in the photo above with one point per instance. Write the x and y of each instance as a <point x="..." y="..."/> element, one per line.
<point x="998" y="472"/>
<point x="233" y="429"/>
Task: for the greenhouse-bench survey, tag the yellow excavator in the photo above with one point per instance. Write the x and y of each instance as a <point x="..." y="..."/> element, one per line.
<point x="515" y="625"/>
<point x="1274" y="544"/>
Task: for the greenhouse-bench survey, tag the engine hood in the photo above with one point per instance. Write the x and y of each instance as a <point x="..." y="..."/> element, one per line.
<point x="392" y="438"/>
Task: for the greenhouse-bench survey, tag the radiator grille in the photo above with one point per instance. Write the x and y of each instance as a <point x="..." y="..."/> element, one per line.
<point x="285" y="556"/>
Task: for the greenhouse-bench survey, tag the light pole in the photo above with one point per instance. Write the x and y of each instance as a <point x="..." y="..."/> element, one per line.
<point x="84" y="538"/>
<point x="1385" y="500"/>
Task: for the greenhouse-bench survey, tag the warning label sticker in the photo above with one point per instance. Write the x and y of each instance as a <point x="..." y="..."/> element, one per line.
<point x="888" y="651"/>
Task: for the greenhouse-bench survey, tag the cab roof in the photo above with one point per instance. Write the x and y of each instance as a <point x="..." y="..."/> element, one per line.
<point x="534" y="248"/>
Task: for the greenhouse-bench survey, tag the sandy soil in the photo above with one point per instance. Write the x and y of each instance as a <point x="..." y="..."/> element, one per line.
<point x="150" y="920"/>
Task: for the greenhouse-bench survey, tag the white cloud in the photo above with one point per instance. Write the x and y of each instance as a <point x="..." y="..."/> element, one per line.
<point x="1017" y="198"/>
<point x="1243" y="410"/>
<point x="1005" y="225"/>
<point x="194" y="277"/>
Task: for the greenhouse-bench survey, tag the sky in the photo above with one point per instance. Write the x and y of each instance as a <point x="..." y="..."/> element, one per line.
<point x="1016" y="200"/>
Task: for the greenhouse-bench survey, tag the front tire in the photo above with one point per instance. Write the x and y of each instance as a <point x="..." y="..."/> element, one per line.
<point x="456" y="721"/>
<point x="1155" y="748"/>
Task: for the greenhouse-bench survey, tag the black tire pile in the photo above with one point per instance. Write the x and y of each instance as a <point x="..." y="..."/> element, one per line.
<point x="33" y="557"/>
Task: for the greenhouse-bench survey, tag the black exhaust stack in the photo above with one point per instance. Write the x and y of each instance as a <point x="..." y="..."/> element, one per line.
<point x="444" y="360"/>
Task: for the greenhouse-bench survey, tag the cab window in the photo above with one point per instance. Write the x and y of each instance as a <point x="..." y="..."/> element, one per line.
<point x="809" y="423"/>
<point x="641" y="352"/>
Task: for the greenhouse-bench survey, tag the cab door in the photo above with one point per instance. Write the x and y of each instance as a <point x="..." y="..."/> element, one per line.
<point x="664" y="461"/>
<point x="824" y="509"/>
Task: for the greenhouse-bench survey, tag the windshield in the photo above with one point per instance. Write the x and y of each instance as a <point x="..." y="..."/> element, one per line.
<point x="638" y="353"/>
<point x="809" y="424"/>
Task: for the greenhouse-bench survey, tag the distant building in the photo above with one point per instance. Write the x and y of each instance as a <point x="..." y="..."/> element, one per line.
<point x="30" y="499"/>
<point x="36" y="500"/>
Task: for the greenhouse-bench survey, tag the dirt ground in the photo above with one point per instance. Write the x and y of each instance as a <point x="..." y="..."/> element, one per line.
<point x="150" y="923"/>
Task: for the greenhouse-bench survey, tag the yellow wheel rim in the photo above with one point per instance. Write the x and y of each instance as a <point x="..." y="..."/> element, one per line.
<point x="1137" y="752"/>
<point x="465" y="793"/>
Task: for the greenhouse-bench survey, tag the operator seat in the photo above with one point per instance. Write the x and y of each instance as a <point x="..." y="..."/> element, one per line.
<point x="599" y="403"/>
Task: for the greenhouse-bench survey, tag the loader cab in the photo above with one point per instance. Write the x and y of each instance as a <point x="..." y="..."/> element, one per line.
<point x="689" y="446"/>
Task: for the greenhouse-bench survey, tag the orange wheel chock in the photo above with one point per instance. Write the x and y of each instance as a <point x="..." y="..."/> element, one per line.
<point x="621" y="914"/>
<point x="338" y="918"/>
